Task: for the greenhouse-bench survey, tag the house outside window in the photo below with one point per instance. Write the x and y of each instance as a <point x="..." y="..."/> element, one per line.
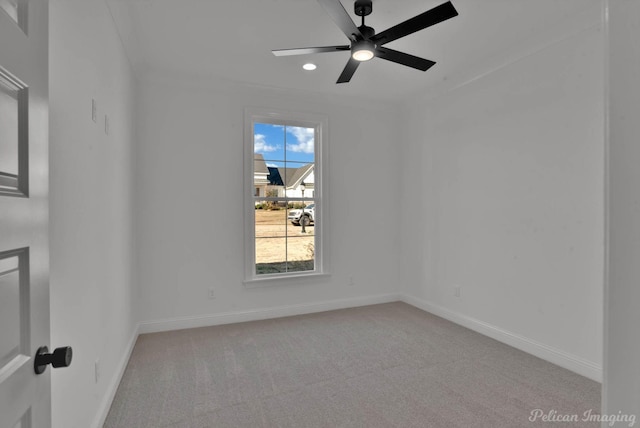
<point x="284" y="201"/>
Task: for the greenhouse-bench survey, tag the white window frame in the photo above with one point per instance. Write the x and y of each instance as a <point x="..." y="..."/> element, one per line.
<point x="307" y="120"/>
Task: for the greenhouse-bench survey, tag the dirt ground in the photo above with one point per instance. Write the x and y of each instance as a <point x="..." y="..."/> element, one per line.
<point x="279" y="241"/>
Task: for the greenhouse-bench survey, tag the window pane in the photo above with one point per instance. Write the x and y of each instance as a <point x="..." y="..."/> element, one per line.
<point x="301" y="236"/>
<point x="299" y="179"/>
<point x="300" y="144"/>
<point x="269" y="141"/>
<point x="271" y="238"/>
<point x="260" y="175"/>
<point x="301" y="254"/>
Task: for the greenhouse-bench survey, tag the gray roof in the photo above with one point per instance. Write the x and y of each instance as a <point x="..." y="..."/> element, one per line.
<point x="259" y="164"/>
<point x="297" y="174"/>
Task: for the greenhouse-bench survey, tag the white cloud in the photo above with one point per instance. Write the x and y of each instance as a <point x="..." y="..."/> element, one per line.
<point x="305" y="137"/>
<point x="260" y="144"/>
<point x="272" y="165"/>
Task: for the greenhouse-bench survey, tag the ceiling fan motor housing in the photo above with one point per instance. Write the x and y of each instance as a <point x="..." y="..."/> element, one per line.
<point x="367" y="32"/>
<point x="363" y="7"/>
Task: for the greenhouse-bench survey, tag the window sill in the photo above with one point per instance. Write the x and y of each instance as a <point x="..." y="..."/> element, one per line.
<point x="283" y="279"/>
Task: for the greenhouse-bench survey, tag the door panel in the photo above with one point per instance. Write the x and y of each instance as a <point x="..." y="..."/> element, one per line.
<point x="25" y="398"/>
<point x="11" y="8"/>
<point x="13" y="306"/>
<point x="14" y="135"/>
<point x="9" y="129"/>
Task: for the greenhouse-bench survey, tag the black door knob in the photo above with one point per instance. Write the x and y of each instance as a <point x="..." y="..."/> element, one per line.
<point x="61" y="357"/>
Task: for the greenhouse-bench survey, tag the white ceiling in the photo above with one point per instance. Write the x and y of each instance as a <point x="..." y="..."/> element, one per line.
<point x="232" y="40"/>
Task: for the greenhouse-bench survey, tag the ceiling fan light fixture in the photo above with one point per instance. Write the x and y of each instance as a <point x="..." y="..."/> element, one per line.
<point x="365" y="44"/>
<point x="363" y="50"/>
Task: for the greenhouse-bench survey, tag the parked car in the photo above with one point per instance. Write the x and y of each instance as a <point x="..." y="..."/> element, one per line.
<point x="308" y="214"/>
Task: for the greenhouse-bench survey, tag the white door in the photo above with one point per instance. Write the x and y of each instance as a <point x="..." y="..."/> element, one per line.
<point x="25" y="398"/>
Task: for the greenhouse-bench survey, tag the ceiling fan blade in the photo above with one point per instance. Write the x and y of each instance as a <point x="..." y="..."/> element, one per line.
<point x="404" y="59"/>
<point x="305" y="51"/>
<point x="348" y="71"/>
<point x="340" y="16"/>
<point x="431" y="17"/>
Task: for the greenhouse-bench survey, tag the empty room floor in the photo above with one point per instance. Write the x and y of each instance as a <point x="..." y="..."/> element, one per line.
<point x="388" y="365"/>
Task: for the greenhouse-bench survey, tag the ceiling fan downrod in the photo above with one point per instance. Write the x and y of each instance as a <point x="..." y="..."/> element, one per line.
<point x="363" y="8"/>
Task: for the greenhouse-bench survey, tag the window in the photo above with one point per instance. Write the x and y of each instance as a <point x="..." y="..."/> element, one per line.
<point x="284" y="204"/>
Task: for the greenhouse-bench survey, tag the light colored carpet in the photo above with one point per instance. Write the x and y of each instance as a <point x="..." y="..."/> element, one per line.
<point x="389" y="365"/>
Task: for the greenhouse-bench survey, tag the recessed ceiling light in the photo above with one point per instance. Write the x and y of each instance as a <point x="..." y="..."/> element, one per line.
<point x="309" y="66"/>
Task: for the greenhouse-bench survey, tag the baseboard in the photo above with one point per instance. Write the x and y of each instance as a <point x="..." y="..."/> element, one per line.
<point x="563" y="359"/>
<point x="110" y="393"/>
<point x="263" y="313"/>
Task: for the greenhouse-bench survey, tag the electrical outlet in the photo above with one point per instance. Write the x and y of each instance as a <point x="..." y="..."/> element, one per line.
<point x="106" y="124"/>
<point x="456" y="291"/>
<point x="97" y="370"/>
<point x="212" y="293"/>
<point x="94" y="110"/>
<point x="352" y="281"/>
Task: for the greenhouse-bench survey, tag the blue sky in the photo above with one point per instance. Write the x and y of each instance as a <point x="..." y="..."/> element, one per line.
<point x="277" y="143"/>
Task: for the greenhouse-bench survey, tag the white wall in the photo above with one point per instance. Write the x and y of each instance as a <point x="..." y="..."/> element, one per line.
<point x="91" y="200"/>
<point x="504" y="176"/>
<point x="189" y="204"/>
<point x="622" y="350"/>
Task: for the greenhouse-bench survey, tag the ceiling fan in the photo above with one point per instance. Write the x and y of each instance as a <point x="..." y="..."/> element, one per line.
<point x="366" y="44"/>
